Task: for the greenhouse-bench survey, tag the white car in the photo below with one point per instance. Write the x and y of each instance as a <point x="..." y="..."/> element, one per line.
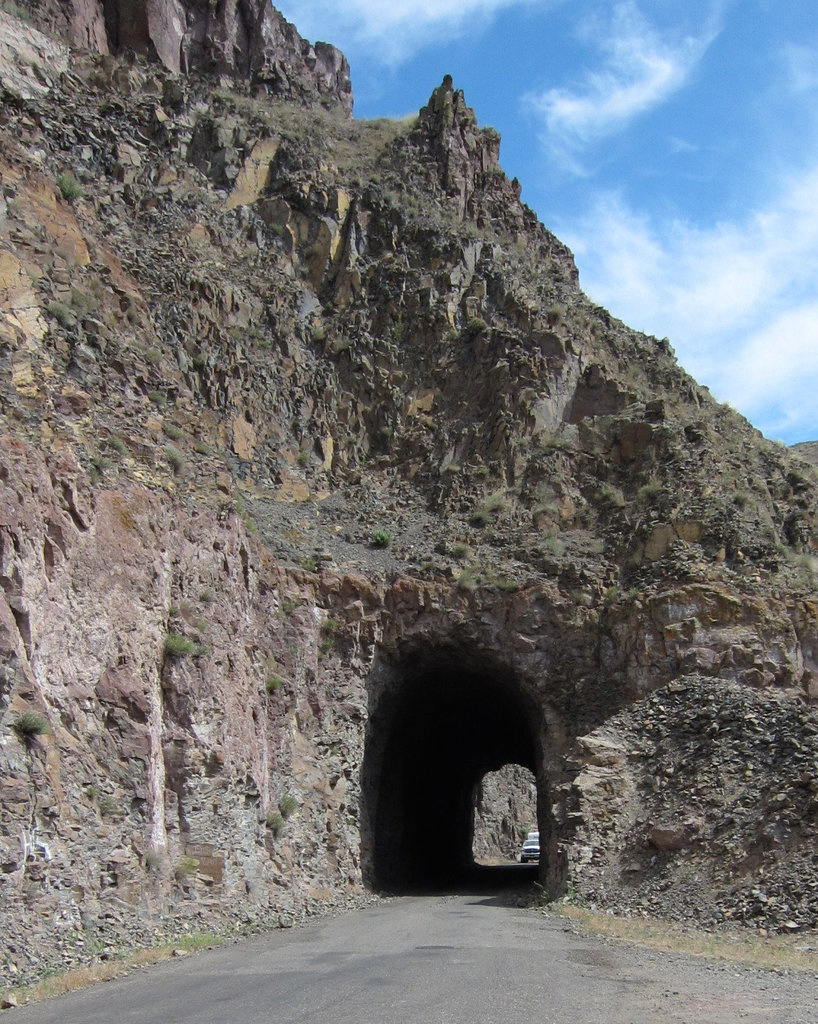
<point x="531" y="848"/>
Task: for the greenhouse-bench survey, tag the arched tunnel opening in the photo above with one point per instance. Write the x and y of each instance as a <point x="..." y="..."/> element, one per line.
<point x="439" y="721"/>
<point x="505" y="811"/>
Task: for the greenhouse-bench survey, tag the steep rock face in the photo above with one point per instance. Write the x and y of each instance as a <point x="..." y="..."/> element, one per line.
<point x="242" y="38"/>
<point x="245" y="39"/>
<point x="30" y="62"/>
<point x="178" y="677"/>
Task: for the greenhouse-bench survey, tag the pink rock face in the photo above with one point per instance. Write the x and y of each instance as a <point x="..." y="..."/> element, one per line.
<point x="88" y="26"/>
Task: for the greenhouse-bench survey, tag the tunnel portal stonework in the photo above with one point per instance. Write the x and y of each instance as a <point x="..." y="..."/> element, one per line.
<point x="459" y="688"/>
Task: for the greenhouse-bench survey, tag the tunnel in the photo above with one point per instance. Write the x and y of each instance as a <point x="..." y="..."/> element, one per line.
<point x="439" y="720"/>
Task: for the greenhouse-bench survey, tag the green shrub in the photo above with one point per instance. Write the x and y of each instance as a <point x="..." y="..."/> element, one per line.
<point x="381" y="539"/>
<point x="174" y="457"/>
<point x="177" y="646"/>
<point x="489" y="508"/>
<point x="70" y="188"/>
<point x="469" y="579"/>
<point x="327" y="644"/>
<point x="272" y="684"/>
<point x="647" y="492"/>
<point x="201" y="448"/>
<point x="117" y="444"/>
<point x="288" y="805"/>
<point x="82" y="302"/>
<point x="109" y="806"/>
<point x="475" y="325"/>
<point x="61" y="313"/>
<point x="741" y="499"/>
<point x="184" y="867"/>
<point x="507" y="584"/>
<point x="274" y="822"/>
<point x="31" y="723"/>
<point x="309" y="563"/>
<point x="15" y="10"/>
<point x="609" y="496"/>
<point x="152" y="860"/>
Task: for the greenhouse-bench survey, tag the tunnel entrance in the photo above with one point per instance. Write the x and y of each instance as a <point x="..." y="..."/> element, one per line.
<point x="439" y="721"/>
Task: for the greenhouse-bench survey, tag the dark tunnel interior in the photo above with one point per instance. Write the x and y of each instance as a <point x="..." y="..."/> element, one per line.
<point x="438" y="725"/>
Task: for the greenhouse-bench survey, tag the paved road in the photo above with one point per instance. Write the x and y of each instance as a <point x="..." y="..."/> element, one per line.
<point x="435" y="960"/>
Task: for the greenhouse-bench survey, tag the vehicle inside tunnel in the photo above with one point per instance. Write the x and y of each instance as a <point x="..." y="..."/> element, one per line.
<point x="439" y="721"/>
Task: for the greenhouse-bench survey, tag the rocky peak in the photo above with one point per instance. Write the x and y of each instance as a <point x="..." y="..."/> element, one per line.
<point x="451" y="154"/>
<point x="465" y="154"/>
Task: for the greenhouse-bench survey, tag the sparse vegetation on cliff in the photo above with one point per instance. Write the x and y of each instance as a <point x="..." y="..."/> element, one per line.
<point x="70" y="189"/>
<point x="178" y="646"/>
<point x="30" y="723"/>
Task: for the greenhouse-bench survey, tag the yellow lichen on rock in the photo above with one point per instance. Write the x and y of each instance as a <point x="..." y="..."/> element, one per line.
<point x="253" y="177"/>
<point x="19" y="310"/>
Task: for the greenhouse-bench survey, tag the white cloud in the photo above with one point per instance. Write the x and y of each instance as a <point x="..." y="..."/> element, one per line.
<point x="737" y="300"/>
<point x="640" y="70"/>
<point x="774" y="375"/>
<point x="801" y="67"/>
<point x="391" y="30"/>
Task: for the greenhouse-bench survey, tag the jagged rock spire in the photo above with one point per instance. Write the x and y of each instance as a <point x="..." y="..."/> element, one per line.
<point x="464" y="152"/>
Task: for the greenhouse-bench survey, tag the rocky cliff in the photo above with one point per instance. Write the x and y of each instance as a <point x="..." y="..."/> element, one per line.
<point x="325" y="492"/>
<point x="247" y="40"/>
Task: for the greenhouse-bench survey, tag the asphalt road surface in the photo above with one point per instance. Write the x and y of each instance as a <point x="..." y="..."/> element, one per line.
<point x="465" y="959"/>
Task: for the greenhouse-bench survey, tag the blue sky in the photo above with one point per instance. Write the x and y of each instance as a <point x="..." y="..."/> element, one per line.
<point x="673" y="144"/>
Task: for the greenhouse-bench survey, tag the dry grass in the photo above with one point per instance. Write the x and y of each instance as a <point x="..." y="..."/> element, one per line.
<point x="739" y="947"/>
<point x="82" y="977"/>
